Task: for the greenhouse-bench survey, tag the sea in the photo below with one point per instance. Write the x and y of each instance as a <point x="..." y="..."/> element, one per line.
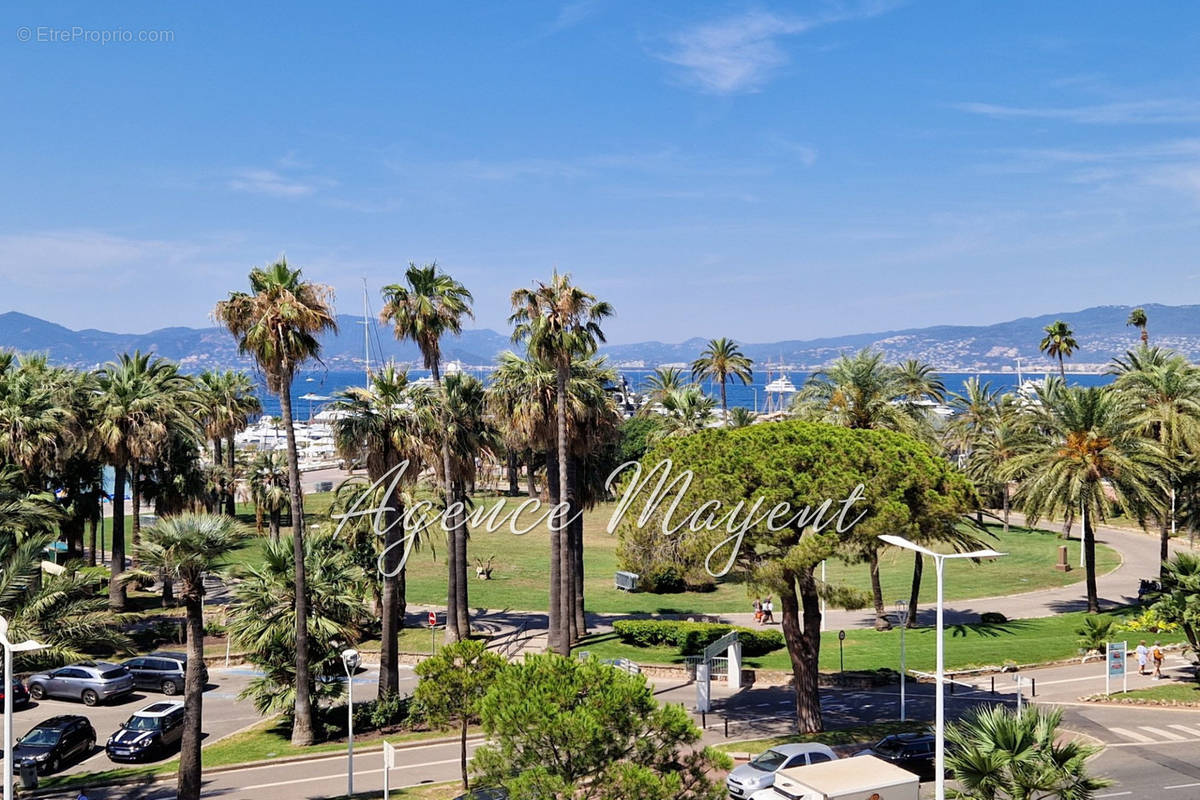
<point x="311" y="390"/>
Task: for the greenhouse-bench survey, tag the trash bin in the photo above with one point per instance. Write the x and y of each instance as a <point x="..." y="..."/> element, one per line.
<point x="29" y="776"/>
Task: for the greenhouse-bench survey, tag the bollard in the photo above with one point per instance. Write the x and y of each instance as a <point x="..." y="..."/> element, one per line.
<point x="703" y="721"/>
<point x="1033" y="687"/>
<point x="993" y="684"/>
<point x="727" y="726"/>
<point x="951" y="685"/>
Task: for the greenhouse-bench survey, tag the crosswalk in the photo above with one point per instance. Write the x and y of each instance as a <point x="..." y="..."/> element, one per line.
<point x="1154" y="734"/>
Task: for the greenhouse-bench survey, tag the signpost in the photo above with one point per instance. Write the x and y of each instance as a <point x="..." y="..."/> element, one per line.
<point x="842" y="650"/>
<point x="389" y="764"/>
<point x="433" y="630"/>
<point x="1114" y="666"/>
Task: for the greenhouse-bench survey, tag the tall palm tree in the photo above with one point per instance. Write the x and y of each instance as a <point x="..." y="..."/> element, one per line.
<point x="685" y="411"/>
<point x="1167" y="407"/>
<point x="721" y="360"/>
<point x="918" y="381"/>
<point x="140" y="399"/>
<point x="229" y="400"/>
<point x="269" y="487"/>
<point x="1059" y="342"/>
<point x="660" y="382"/>
<point x="1137" y="319"/>
<point x="382" y="422"/>
<point x="184" y="548"/>
<point x="277" y="323"/>
<point x="559" y="323"/>
<point x="1088" y="445"/>
<point x="428" y="306"/>
<point x="974" y="410"/>
<point x="861" y="391"/>
<point x="993" y="446"/>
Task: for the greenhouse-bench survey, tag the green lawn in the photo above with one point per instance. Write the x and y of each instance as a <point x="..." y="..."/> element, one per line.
<point x="520" y="574"/>
<point x="967" y="646"/>
<point x="855" y="734"/>
<point x="1166" y="693"/>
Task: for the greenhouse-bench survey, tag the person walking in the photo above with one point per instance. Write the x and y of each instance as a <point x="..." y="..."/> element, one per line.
<point x="1143" y="656"/>
<point x="758" y="610"/>
<point x="1157" y="655"/>
<point x="768" y="612"/>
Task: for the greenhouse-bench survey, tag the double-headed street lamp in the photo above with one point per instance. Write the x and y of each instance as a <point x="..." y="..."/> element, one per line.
<point x="350" y="660"/>
<point x="940" y="717"/>
<point x="9" y="649"/>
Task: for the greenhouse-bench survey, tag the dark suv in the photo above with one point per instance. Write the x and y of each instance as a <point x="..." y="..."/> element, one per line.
<point x="160" y="672"/>
<point x="911" y="751"/>
<point x="20" y="694"/>
<point x="89" y="682"/>
<point x="55" y="742"/>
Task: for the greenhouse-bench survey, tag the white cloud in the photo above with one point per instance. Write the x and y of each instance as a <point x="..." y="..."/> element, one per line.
<point x="1144" y="112"/>
<point x="741" y="53"/>
<point x="572" y="14"/>
<point x="270" y="183"/>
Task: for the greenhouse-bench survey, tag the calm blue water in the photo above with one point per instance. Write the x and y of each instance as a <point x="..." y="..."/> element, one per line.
<point x="325" y="384"/>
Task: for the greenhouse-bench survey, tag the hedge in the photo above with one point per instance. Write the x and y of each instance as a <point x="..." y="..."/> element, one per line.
<point x="692" y="637"/>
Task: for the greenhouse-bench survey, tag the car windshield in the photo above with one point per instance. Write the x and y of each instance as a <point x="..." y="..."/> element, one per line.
<point x="113" y="674"/>
<point x="769" y="761"/>
<point x="889" y="747"/>
<point x="41" y="737"/>
<point x="137" y="723"/>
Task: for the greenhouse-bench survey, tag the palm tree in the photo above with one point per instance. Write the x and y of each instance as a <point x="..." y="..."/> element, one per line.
<point x="917" y="381"/>
<point x="660" y="382"/>
<point x="1059" y="343"/>
<point x="861" y="391"/>
<point x="382" y="423"/>
<point x="996" y="444"/>
<point x="184" y="548"/>
<point x="1001" y="754"/>
<point x="269" y="487"/>
<point x="1137" y="319"/>
<point x="1167" y="403"/>
<point x="559" y="322"/>
<point x="38" y="423"/>
<point x="430" y="306"/>
<point x="229" y="400"/>
<point x="1088" y="444"/>
<point x="721" y="360"/>
<point x="741" y="417"/>
<point x="278" y="323"/>
<point x="140" y="399"/>
<point x="685" y="411"/>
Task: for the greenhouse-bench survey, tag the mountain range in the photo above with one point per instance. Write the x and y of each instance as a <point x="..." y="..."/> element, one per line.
<point x="1101" y="333"/>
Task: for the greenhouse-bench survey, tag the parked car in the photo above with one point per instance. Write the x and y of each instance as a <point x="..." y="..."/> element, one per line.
<point x="90" y="682"/>
<point x="55" y="742"/>
<point x="914" y="752"/>
<point x="160" y="672"/>
<point x="20" y="694"/>
<point x="759" y="773"/>
<point x="149" y="733"/>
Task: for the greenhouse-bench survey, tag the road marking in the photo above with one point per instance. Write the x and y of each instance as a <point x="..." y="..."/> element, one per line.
<point x="1182" y="786"/>
<point x="1168" y="735"/>
<point x="1113" y="794"/>
<point x="1187" y="730"/>
<point x="1137" y="737"/>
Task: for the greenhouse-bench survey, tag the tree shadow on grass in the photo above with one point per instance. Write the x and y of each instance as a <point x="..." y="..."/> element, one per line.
<point x="988" y="630"/>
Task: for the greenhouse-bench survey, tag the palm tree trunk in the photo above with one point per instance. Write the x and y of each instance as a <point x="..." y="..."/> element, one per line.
<point x="168" y="589"/>
<point x="92" y="525"/>
<point x="1068" y="521"/>
<point x="804" y="648"/>
<point x="188" y="785"/>
<point x="231" y="485"/>
<point x="274" y="523"/>
<point x="514" y="484"/>
<point x="881" y="620"/>
<point x="1089" y="562"/>
<point x="1007" y="508"/>
<point x="1062" y="370"/>
<point x="116" y="589"/>
<point x="389" y="646"/>
<point x="462" y="604"/>
<point x="560" y="528"/>
<point x="462" y="751"/>
<point x="135" y="494"/>
<point x="553" y="497"/>
<point x="532" y="487"/>
<point x="453" y="633"/>
<point x="914" y="594"/>
<point x="302" y="726"/>
<point x="569" y="578"/>
<point x="724" y="405"/>
<point x="580" y="613"/>
<point x="258" y="518"/>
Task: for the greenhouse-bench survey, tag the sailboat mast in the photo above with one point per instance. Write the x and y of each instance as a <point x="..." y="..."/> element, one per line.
<point x="366" y="334"/>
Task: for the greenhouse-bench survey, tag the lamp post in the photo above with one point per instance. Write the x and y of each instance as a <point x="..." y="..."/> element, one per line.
<point x="9" y="649"/>
<point x="901" y="608"/>
<point x="351" y="660"/>
<point x="939" y="560"/>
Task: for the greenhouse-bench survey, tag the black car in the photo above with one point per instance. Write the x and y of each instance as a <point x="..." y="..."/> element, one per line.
<point x="160" y="672"/>
<point x="914" y="752"/>
<point x="20" y="694"/>
<point x="55" y="742"/>
<point x="149" y="733"/>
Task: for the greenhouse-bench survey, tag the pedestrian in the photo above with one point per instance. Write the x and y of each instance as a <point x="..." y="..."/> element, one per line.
<point x="1143" y="656"/>
<point x="768" y="611"/>
<point x="1157" y="655"/>
<point x="758" y="610"/>
<point x="81" y="796"/>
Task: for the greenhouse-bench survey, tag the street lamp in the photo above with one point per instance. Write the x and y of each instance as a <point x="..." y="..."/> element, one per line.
<point x="350" y="660"/>
<point x="9" y="649"/>
<point x="939" y="560"/>
<point x="901" y="608"/>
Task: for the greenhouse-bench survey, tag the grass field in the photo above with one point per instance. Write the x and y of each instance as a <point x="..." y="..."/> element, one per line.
<point x="1166" y="693"/>
<point x="839" y="736"/>
<point x="967" y="646"/>
<point x="520" y="574"/>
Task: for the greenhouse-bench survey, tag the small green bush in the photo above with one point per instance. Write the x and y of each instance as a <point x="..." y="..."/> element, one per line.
<point x="664" y="580"/>
<point x="690" y="638"/>
<point x="992" y="618"/>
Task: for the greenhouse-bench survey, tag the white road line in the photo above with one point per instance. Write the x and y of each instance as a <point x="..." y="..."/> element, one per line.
<point x="1171" y="737"/>
<point x="1182" y="786"/>
<point x="1112" y="794"/>
<point x="1187" y="730"/>
<point x="1137" y="737"/>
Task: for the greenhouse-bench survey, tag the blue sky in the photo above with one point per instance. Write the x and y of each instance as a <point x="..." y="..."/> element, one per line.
<point x="762" y="171"/>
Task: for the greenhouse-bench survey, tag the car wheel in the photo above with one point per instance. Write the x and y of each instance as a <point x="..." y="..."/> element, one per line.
<point x="37" y="691"/>
<point x="90" y="698"/>
<point x="170" y="687"/>
<point x="89" y="747"/>
<point x="53" y="764"/>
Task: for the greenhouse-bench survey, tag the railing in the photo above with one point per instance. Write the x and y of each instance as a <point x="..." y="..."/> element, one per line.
<point x="510" y="645"/>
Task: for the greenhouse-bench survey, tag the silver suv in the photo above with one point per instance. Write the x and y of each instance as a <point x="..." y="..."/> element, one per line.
<point x="90" y="682"/>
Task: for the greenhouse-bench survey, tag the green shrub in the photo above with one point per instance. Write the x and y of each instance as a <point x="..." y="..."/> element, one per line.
<point x="690" y="638"/>
<point x="664" y="580"/>
<point x="992" y="618"/>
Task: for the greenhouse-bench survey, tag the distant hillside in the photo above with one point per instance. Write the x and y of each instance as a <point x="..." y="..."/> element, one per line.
<point x="1100" y="331"/>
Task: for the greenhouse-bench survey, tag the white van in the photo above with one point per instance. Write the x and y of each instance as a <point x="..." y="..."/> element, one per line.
<point x="862" y="778"/>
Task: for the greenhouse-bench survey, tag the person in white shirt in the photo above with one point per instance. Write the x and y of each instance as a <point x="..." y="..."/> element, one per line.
<point x="1143" y="655"/>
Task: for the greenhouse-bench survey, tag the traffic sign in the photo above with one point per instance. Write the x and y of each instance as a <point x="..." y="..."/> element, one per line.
<point x="432" y="619"/>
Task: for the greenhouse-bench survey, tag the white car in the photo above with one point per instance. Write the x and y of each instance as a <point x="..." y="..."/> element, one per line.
<point x="759" y="774"/>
